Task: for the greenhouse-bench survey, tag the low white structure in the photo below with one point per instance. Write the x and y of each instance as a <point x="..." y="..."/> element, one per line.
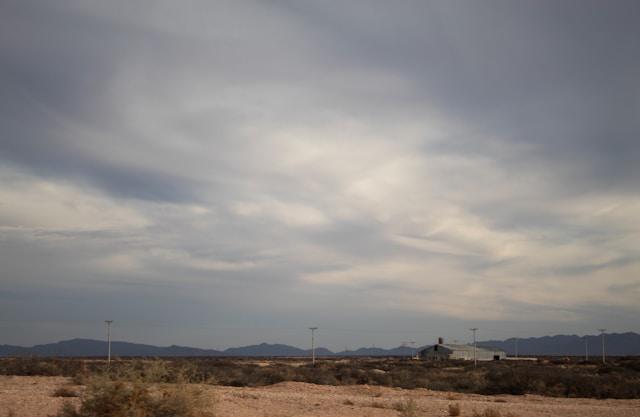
<point x="446" y="351"/>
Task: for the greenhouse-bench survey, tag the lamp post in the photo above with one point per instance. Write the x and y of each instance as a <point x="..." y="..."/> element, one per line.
<point x="313" y="346"/>
<point x="475" y="358"/>
<point x="586" y="348"/>
<point x="108" y="341"/>
<point x="602" y="332"/>
<point x="410" y="344"/>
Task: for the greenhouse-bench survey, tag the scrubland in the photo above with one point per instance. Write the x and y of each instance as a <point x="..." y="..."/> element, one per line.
<point x="214" y="387"/>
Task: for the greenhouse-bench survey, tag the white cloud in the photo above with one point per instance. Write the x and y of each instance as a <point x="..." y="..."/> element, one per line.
<point x="33" y="203"/>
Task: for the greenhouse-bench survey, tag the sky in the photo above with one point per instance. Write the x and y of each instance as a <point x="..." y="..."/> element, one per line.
<point x="225" y="173"/>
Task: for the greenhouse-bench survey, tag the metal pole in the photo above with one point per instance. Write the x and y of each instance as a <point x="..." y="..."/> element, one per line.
<point x="586" y="348"/>
<point x="313" y="345"/>
<point x="409" y="344"/>
<point x="475" y="358"/>
<point x="108" y="341"/>
<point x="602" y="331"/>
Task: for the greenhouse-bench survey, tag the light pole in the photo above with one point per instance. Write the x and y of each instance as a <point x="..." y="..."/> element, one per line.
<point x="475" y="358"/>
<point x="410" y="344"/>
<point x="313" y="345"/>
<point x="602" y="332"/>
<point x="108" y="341"/>
<point x="586" y="348"/>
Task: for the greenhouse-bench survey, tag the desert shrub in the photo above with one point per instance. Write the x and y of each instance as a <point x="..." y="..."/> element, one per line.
<point x="272" y="376"/>
<point x="631" y="364"/>
<point x="470" y="382"/>
<point x="67" y="410"/>
<point x="454" y="409"/>
<point x="31" y="366"/>
<point x="320" y="374"/>
<point x="507" y="380"/>
<point x="80" y="378"/>
<point x="568" y="377"/>
<point x="491" y="412"/>
<point x="488" y="412"/>
<point x="407" y="408"/>
<point x="65" y="392"/>
<point x="403" y="378"/>
<point x="144" y="371"/>
<point x="565" y="381"/>
<point x="180" y="401"/>
<point x="108" y="398"/>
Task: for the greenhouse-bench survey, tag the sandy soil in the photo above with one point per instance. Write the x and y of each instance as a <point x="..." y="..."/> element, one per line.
<point x="32" y="397"/>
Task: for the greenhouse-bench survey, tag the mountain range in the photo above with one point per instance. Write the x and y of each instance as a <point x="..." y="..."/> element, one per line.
<point x="89" y="347"/>
<point x="616" y="344"/>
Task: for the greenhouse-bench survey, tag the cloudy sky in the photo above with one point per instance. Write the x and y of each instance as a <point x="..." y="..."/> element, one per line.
<point x="226" y="173"/>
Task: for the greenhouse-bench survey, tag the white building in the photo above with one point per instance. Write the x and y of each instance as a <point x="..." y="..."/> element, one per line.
<point x="445" y="351"/>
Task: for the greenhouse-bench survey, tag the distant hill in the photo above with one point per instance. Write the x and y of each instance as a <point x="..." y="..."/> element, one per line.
<point x="88" y="347"/>
<point x="616" y="344"/>
<point x="11" y="350"/>
<point x="398" y="351"/>
<point x="265" y="349"/>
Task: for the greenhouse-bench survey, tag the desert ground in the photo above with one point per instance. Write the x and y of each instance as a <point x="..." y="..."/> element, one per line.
<point x="33" y="397"/>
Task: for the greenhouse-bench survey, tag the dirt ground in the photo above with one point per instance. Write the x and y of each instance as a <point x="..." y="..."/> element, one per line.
<point x="32" y="397"/>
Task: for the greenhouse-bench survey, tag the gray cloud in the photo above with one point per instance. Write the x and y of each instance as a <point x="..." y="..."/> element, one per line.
<point x="271" y="166"/>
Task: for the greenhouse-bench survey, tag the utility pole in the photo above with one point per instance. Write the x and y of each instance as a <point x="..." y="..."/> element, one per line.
<point x="108" y="341"/>
<point x="602" y="332"/>
<point x="516" y="348"/>
<point x="586" y="348"/>
<point x="313" y="345"/>
<point x="409" y="344"/>
<point x="475" y="358"/>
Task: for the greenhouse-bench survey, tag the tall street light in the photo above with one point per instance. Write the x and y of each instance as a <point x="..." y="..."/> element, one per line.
<point x="108" y="341"/>
<point x="409" y="344"/>
<point x="602" y="332"/>
<point x="414" y="353"/>
<point x="313" y="345"/>
<point x="475" y="358"/>
<point x="586" y="348"/>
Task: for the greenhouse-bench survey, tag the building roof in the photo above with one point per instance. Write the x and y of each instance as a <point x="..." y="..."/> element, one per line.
<point x="467" y="348"/>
